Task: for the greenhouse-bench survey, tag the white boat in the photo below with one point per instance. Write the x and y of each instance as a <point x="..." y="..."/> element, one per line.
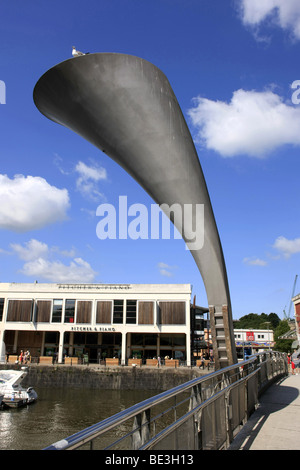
<point x="14" y="395"/>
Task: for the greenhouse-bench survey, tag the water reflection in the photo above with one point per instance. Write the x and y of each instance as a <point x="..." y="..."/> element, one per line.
<point x="59" y="413"/>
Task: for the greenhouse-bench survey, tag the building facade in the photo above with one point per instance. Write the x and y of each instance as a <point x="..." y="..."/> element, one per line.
<point x="296" y="301"/>
<point x="252" y="341"/>
<point x="98" y="320"/>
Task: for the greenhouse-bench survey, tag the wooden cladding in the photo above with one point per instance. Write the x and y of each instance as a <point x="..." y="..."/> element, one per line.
<point x="84" y="311"/>
<point x="172" y="313"/>
<point x="43" y="311"/>
<point x="146" y="313"/>
<point x="20" y="310"/>
<point x="103" y="314"/>
<point x="139" y="312"/>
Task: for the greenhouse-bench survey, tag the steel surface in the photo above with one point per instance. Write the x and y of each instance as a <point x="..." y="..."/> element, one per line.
<point x="126" y="107"/>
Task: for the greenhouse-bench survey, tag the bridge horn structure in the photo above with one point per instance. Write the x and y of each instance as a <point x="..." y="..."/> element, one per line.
<point x="125" y="106"/>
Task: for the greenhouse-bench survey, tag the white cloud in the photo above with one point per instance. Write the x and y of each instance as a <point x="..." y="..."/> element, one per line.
<point x="88" y="178"/>
<point x="30" y="202"/>
<point x="166" y="270"/>
<point x="55" y="271"/>
<point x="69" y="253"/>
<point x="38" y="263"/>
<point x="255" y="262"/>
<point x="283" y="13"/>
<point x="58" y="161"/>
<point x="287" y="247"/>
<point x="32" y="250"/>
<point x="253" y="123"/>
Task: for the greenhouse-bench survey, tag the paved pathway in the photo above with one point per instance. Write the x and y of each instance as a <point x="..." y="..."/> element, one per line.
<point x="275" y="425"/>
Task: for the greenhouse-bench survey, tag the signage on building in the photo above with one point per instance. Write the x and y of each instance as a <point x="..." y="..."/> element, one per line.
<point x="92" y="328"/>
<point x="95" y="286"/>
<point x="249" y="336"/>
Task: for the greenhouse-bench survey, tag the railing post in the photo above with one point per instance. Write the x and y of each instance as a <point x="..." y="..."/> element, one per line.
<point x="196" y="397"/>
<point x="141" y="426"/>
<point x="229" y="434"/>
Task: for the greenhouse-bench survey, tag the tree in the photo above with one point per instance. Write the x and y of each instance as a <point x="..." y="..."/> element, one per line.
<point x="257" y="322"/>
<point x="283" y="345"/>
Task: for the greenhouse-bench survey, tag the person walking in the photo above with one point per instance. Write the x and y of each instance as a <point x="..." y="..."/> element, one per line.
<point x="21" y="357"/>
<point x="289" y="360"/>
<point x="295" y="362"/>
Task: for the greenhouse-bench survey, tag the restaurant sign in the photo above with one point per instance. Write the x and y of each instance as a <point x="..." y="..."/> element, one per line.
<point x="92" y="328"/>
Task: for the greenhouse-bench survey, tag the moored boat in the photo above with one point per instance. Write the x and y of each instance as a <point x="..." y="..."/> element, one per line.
<point x="14" y="395"/>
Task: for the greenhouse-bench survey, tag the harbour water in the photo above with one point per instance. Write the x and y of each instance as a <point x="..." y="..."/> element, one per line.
<point x="61" y="412"/>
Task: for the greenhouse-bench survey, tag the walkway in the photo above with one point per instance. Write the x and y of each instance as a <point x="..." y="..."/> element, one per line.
<point x="275" y="425"/>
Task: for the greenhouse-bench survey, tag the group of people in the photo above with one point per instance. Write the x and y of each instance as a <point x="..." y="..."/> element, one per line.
<point x="24" y="358"/>
<point x="294" y="362"/>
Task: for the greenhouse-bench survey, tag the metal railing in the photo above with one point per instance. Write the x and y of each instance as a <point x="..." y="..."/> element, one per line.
<point x="204" y="413"/>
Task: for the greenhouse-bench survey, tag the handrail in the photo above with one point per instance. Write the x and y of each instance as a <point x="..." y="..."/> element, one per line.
<point x="222" y="380"/>
<point x="192" y="412"/>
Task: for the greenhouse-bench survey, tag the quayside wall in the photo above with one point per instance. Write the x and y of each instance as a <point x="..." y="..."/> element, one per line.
<point x="108" y="378"/>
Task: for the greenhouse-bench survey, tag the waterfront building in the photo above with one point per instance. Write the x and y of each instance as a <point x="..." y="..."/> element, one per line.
<point x="96" y="321"/>
<point x="296" y="301"/>
<point x="251" y="341"/>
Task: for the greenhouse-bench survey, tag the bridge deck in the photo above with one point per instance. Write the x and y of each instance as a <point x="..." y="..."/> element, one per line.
<point x="275" y="425"/>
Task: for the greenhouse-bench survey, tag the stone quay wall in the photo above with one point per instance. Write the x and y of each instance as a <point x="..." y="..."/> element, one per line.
<point x="107" y="378"/>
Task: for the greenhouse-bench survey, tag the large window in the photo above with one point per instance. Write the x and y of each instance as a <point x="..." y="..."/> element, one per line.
<point x="118" y="311"/>
<point x="57" y="310"/>
<point x="69" y="311"/>
<point x="131" y="311"/>
<point x="199" y="324"/>
<point x="1" y="308"/>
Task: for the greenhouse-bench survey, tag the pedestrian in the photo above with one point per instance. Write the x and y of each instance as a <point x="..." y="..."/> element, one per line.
<point x="293" y="367"/>
<point x="295" y="362"/>
<point x="207" y="359"/>
<point x="21" y="357"/>
<point x="27" y="357"/>
<point x="201" y="364"/>
<point x="289" y="360"/>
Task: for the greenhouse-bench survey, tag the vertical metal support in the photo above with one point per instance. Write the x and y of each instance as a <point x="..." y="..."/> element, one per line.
<point x="61" y="346"/>
<point x="196" y="397"/>
<point x="229" y="434"/>
<point x="141" y="425"/>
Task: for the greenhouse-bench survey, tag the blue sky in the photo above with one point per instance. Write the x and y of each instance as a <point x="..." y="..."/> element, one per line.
<point x="231" y="65"/>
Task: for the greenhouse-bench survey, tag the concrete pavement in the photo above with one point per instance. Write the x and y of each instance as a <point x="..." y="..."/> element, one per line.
<point x="275" y="425"/>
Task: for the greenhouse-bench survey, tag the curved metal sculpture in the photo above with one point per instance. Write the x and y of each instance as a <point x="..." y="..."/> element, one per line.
<point x="126" y="107"/>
